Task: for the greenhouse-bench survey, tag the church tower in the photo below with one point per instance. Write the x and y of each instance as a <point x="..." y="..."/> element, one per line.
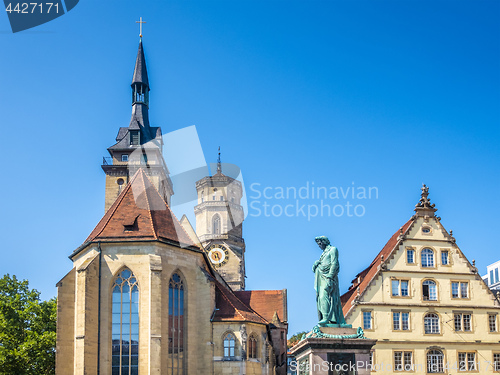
<point x="219" y="219"/>
<point x="137" y="146"/>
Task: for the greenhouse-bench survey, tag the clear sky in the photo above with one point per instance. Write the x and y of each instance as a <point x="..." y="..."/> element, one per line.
<point x="381" y="94"/>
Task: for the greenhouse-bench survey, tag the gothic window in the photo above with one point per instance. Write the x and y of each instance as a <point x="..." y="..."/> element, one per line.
<point x="435" y="362"/>
<point x="125" y="324"/>
<point x="427" y="258"/>
<point x="431" y="324"/>
<point x="252" y="347"/>
<point x="216" y="224"/>
<point x="176" y="326"/>
<point x="229" y="345"/>
<point x="429" y="290"/>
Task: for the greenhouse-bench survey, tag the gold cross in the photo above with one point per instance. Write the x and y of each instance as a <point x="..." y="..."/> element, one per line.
<point x="140" y="23"/>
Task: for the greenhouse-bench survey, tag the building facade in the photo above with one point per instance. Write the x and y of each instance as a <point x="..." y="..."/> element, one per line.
<point x="425" y="303"/>
<point x="144" y="296"/>
<point x="492" y="278"/>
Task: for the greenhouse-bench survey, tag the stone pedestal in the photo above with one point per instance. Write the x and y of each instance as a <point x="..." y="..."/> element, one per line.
<point x="333" y="351"/>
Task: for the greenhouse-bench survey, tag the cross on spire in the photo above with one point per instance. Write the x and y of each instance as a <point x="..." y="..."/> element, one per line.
<point x="140" y="22"/>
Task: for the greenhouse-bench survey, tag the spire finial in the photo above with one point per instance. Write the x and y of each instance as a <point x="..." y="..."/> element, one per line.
<point x="219" y="167"/>
<point x="424" y="204"/>
<point x="140" y="22"/>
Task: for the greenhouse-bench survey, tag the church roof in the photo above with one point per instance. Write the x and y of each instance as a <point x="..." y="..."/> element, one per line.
<point x="266" y="302"/>
<point x="139" y="213"/>
<point x="364" y="278"/>
<point x="140" y="71"/>
<point x="229" y="308"/>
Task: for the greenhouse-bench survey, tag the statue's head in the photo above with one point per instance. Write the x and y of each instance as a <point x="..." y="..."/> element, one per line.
<point x="322" y="241"/>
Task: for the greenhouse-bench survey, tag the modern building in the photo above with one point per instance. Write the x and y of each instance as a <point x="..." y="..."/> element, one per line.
<point x="425" y="303"/>
<point x="145" y="294"/>
<point x="491" y="278"/>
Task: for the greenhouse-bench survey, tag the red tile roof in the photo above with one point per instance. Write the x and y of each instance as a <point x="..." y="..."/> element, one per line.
<point x="140" y="213"/>
<point x="266" y="302"/>
<point x="229" y="308"/>
<point x="364" y="278"/>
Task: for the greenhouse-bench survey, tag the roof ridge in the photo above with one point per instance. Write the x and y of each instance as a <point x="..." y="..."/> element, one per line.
<point x="251" y="310"/>
<point x="113" y="208"/>
<point x="176" y="219"/>
<point x="379" y="255"/>
<point x="147" y="202"/>
<point x="234" y="307"/>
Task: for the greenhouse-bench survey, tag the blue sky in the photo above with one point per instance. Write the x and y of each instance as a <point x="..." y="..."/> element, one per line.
<point x="385" y="94"/>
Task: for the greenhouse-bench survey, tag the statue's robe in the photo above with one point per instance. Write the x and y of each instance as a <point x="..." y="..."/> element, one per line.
<point x="326" y="284"/>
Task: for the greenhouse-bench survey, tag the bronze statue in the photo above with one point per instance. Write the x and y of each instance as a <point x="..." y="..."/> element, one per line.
<point x="326" y="284"/>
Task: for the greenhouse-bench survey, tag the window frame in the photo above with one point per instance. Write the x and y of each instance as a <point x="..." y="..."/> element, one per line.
<point x="135" y="133"/>
<point x="448" y="259"/>
<point x="400" y="320"/>
<point x="414" y="253"/>
<point x="400" y="289"/>
<point x="495" y="319"/>
<point x="467" y="361"/>
<point x="439" y="331"/>
<point x="462" y="315"/>
<point x="436" y="285"/>
<point x="253" y="352"/>
<point x="371" y="320"/>
<point x="227" y="337"/>
<point x="443" y="361"/>
<point x="403" y="352"/>
<point x="182" y="286"/>
<point x="493" y="362"/>
<point x="216" y="219"/>
<point x="433" y="252"/>
<point x="112" y="312"/>
<point x="460" y="295"/>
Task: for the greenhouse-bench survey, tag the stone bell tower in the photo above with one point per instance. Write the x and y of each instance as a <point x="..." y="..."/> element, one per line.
<point x="139" y="145"/>
<point x="219" y="220"/>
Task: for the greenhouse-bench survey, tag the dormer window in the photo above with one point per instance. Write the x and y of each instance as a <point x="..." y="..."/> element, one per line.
<point x="135" y="138"/>
<point x="125" y="157"/>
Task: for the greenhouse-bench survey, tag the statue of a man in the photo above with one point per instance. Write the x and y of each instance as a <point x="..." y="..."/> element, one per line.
<point x="326" y="283"/>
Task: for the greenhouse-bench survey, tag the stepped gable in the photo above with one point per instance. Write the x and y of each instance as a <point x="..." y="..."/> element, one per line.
<point x="365" y="277"/>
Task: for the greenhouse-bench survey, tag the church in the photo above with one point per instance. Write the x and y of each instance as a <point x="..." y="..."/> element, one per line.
<point x="150" y="294"/>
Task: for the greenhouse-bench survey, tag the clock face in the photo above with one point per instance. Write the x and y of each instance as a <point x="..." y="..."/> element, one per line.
<point x="218" y="254"/>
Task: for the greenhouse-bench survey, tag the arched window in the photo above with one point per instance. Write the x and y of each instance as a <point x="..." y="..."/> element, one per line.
<point x="435" y="361"/>
<point x="427" y="258"/>
<point x="431" y="323"/>
<point x="229" y="345"/>
<point x="216" y="224"/>
<point x="125" y="324"/>
<point x="429" y="290"/>
<point x="176" y="326"/>
<point x="252" y="347"/>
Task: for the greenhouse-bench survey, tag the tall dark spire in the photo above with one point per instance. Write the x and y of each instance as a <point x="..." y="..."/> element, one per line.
<point x="140" y="71"/>
<point x="219" y="165"/>
<point x="140" y="94"/>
